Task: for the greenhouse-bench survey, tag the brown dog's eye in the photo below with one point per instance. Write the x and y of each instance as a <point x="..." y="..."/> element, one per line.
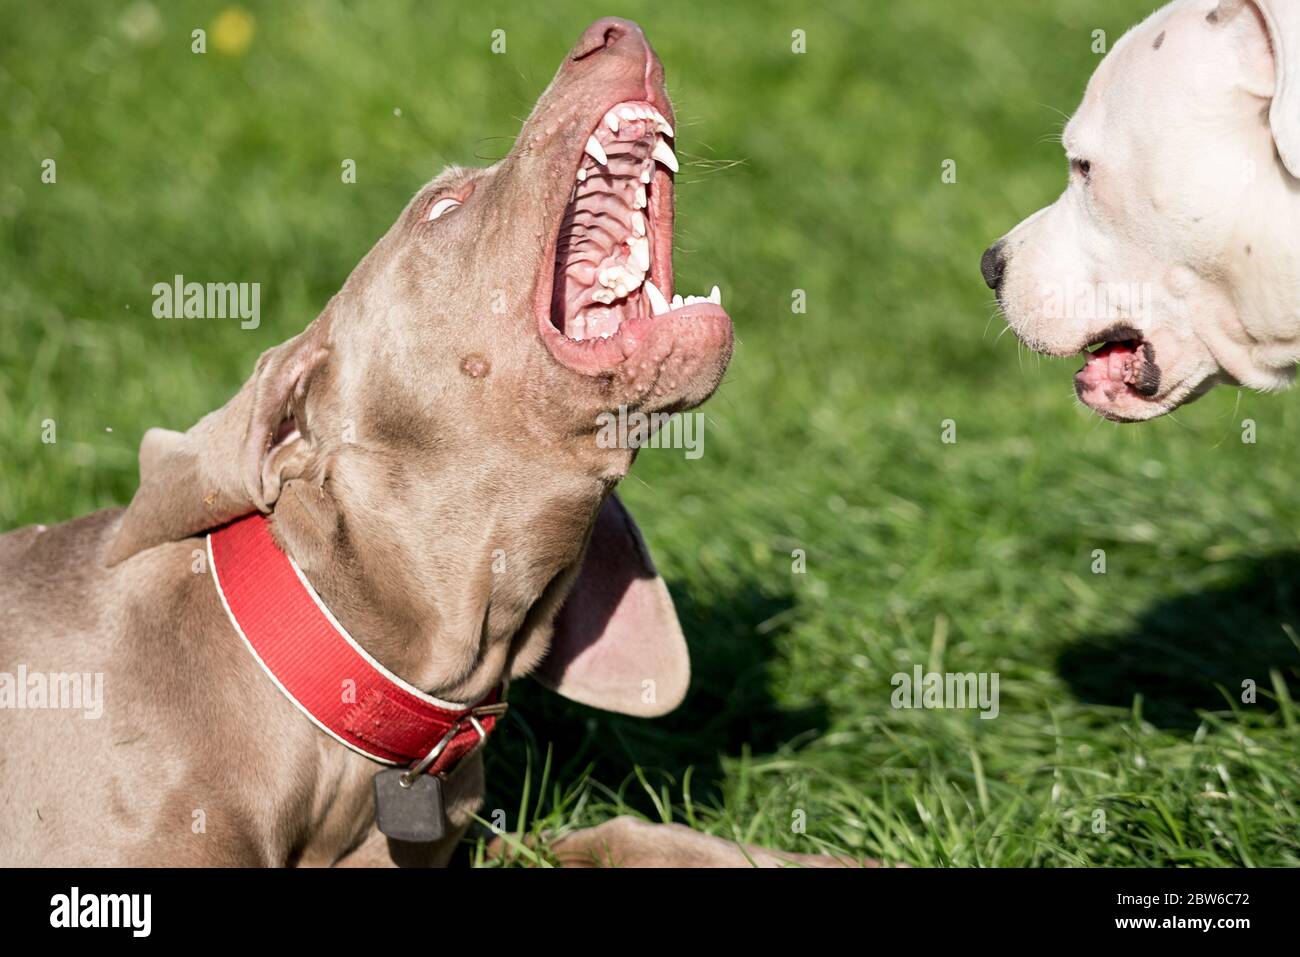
<point x="445" y="201"/>
<point x="1082" y="167"/>
<point x="442" y="206"/>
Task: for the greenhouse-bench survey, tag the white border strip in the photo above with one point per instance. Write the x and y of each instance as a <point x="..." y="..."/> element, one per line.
<point x="216" y="579"/>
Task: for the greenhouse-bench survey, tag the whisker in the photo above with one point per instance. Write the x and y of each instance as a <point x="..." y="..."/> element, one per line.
<point x="1057" y="110"/>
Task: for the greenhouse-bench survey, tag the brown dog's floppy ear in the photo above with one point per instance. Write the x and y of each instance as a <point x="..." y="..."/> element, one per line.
<point x="231" y="462"/>
<point x="617" y="644"/>
<point x="1281" y="20"/>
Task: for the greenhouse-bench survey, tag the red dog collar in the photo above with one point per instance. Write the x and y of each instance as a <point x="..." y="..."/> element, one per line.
<point x="321" y="668"/>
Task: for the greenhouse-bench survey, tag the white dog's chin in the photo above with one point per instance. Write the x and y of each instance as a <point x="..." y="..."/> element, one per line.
<point x="1122" y="403"/>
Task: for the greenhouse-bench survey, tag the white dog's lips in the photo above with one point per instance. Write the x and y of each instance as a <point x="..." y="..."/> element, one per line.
<point x="1119" y="373"/>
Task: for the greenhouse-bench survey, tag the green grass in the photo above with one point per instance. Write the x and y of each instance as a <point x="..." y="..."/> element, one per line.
<point x="1120" y="692"/>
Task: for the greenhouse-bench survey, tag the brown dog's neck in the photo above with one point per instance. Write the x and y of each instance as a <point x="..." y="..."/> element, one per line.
<point x="445" y="620"/>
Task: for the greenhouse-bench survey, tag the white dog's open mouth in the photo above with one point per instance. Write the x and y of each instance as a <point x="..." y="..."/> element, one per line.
<point x="612" y="266"/>
<point x="1119" y="377"/>
<point x="1122" y="365"/>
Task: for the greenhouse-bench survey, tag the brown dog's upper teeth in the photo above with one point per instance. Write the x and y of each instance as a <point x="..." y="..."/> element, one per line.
<point x="604" y="253"/>
<point x="605" y="247"/>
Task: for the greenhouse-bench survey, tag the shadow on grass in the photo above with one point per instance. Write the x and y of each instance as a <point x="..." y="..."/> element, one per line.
<point x="729" y="707"/>
<point x="1185" y="646"/>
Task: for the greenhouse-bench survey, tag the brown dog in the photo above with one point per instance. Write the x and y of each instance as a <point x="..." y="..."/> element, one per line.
<point x="426" y="451"/>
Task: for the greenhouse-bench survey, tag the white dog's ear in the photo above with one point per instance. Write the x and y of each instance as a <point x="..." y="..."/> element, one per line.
<point x="231" y="462"/>
<point x="1282" y="17"/>
<point x="1281" y="21"/>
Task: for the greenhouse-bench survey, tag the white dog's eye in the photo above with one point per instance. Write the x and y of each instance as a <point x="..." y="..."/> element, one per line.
<point x="443" y="206"/>
<point x="1081" y="166"/>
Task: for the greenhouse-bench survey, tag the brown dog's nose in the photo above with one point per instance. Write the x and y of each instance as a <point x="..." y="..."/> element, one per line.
<point x="993" y="265"/>
<point x="612" y="34"/>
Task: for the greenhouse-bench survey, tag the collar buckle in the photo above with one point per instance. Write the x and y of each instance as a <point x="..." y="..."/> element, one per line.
<point x="495" y="710"/>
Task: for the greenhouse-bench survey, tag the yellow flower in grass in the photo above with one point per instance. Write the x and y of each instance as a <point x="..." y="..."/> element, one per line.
<point x="232" y="31"/>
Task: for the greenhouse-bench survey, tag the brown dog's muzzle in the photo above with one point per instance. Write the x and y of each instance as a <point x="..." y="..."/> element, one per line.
<point x="602" y="137"/>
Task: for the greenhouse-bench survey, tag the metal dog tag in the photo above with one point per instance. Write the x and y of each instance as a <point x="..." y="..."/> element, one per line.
<point x="409" y="811"/>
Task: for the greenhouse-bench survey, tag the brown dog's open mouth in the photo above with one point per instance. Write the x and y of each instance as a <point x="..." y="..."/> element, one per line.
<point x="612" y="275"/>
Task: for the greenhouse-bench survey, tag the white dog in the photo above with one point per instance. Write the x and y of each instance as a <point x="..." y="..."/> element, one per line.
<point x="1176" y="245"/>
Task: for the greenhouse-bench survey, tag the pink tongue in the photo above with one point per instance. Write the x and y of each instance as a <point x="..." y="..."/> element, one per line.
<point x="1108" y="365"/>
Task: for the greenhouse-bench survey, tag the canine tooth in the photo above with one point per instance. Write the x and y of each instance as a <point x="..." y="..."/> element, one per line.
<point x="596" y="151"/>
<point x="639" y="203"/>
<point x="715" y="296"/>
<point x="658" y="304"/>
<point x="641" y="253"/>
<point x="611" y="120"/>
<point x="664" y="154"/>
<point x="638" y="224"/>
<point x="664" y="126"/>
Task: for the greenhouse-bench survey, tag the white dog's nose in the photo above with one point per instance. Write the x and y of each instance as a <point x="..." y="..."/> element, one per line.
<point x="992" y="265"/>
